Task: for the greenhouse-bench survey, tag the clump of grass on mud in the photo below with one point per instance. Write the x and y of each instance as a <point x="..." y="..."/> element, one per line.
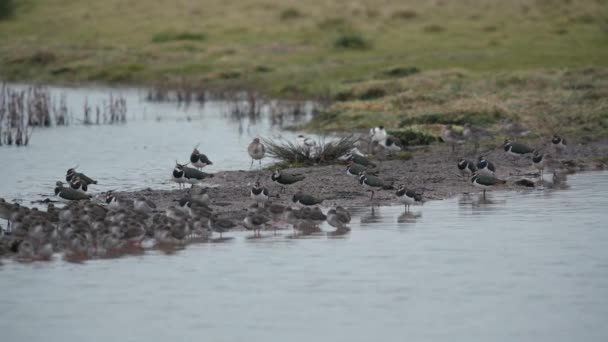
<point x="321" y="153"/>
<point x="353" y="41"/>
<point x="411" y="137"/>
<point x="163" y="37"/>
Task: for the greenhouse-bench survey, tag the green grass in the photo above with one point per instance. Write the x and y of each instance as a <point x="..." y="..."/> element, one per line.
<point x="315" y="46"/>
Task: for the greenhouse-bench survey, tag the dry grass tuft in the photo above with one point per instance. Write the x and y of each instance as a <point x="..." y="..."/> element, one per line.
<point x="321" y="153"/>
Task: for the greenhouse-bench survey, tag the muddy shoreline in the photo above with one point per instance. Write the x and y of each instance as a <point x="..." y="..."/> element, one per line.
<point x="431" y="170"/>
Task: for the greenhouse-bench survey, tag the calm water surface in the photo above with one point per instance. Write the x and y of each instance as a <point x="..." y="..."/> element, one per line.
<point x="528" y="266"/>
<point x="135" y="155"/>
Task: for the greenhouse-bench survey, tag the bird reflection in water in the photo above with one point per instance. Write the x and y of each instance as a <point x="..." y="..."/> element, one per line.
<point x="221" y="239"/>
<point x="372" y="216"/>
<point x="478" y="204"/>
<point x="408" y="217"/>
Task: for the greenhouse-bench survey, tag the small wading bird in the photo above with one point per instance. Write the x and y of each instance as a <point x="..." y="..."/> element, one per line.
<point x="256" y="151"/>
<point x="306" y="144"/>
<point x="256" y="221"/>
<point x="513" y="129"/>
<point x="220" y="225"/>
<point x="466" y="167"/>
<point x="71" y="173"/>
<point x="475" y="134"/>
<point x="449" y="136"/>
<point x="538" y="160"/>
<point x="485" y="182"/>
<point x="69" y="193"/>
<point x="408" y="197"/>
<point x="199" y="160"/>
<point x="371" y="183"/>
<point x="338" y="218"/>
<point x="284" y="179"/>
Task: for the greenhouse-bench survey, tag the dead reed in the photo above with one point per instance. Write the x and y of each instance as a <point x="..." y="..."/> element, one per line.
<point x="23" y="109"/>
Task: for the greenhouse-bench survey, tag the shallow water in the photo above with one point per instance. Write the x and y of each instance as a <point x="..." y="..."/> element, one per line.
<point x="522" y="266"/>
<point x="135" y="155"/>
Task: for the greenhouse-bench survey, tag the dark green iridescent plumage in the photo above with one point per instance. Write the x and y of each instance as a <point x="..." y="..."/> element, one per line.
<point x="306" y="199"/>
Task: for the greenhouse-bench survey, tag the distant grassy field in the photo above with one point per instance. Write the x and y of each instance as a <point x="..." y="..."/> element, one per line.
<point x="390" y="58"/>
<point x="304" y="46"/>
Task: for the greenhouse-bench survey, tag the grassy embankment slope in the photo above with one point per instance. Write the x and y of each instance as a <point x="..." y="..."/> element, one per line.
<point x="543" y="62"/>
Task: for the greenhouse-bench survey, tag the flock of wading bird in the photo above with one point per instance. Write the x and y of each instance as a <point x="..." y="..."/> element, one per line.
<point x="85" y="229"/>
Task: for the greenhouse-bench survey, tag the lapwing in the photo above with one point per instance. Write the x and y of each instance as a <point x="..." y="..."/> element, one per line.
<point x="259" y="194"/>
<point x="372" y="183"/>
<point x="377" y="133"/>
<point x="485" y="182"/>
<point x="77" y="184"/>
<point x="199" y="160"/>
<point x="256" y="151"/>
<point x="538" y="160"/>
<point x="359" y="159"/>
<point x="115" y="203"/>
<point x="559" y="143"/>
<point x="69" y="193"/>
<point x="353" y="169"/>
<point x="178" y="175"/>
<point x="353" y="150"/>
<point x="184" y="205"/>
<point x="475" y="134"/>
<point x="284" y="179"/>
<point x="485" y="167"/>
<point x="305" y="199"/>
<point x="71" y="173"/>
<point x="188" y="175"/>
<point x="449" y="136"/>
<point x="516" y="149"/>
<point x="143" y="205"/>
<point x="408" y="197"/>
<point x="466" y="167"/>
<point x="391" y="144"/>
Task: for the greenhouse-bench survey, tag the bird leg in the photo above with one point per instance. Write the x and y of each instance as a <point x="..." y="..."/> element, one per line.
<point x="484" y="194"/>
<point x="250" y="166"/>
<point x="372" y="198"/>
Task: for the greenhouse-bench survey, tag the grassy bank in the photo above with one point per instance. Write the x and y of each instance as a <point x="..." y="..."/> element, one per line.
<point x="284" y="47"/>
<point x="570" y="102"/>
